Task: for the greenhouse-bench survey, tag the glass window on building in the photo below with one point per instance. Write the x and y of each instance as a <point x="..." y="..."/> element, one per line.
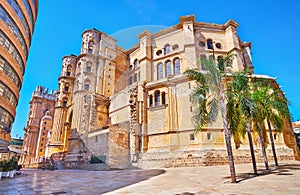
<point x="168" y="68"/>
<point x="6" y="120"/>
<point x="202" y="61"/>
<point x="86" y="86"/>
<point x="4" y="16"/>
<point x="160" y="73"/>
<point x="167" y="49"/>
<point x="88" y="67"/>
<point x="135" y="63"/>
<point x="163" y="98"/>
<point x="130" y="80"/>
<point x="21" y="16"/>
<point x="209" y="44"/>
<point x="176" y="66"/>
<point x="11" y="49"/>
<point x="135" y="77"/>
<point x="157" y="98"/>
<point x="150" y="100"/>
<point x="7" y="94"/>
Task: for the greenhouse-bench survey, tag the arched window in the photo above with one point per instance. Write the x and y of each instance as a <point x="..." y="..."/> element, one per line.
<point x="167" y="49"/>
<point x="175" y="47"/>
<point x="87" y="85"/>
<point x="135" y="77"/>
<point x="130" y="80"/>
<point x="163" y="98"/>
<point x="65" y="101"/>
<point x="67" y="85"/>
<point x="130" y="67"/>
<point x="159" y="53"/>
<point x="90" y="46"/>
<point x="156" y="98"/>
<point x="88" y="67"/>
<point x="135" y="63"/>
<point x="202" y="61"/>
<point x="69" y="69"/>
<point x="168" y="68"/>
<point x="46" y="110"/>
<point x="176" y="66"/>
<point x="160" y="73"/>
<point x="78" y="68"/>
<point x="209" y="44"/>
<point x="150" y="100"/>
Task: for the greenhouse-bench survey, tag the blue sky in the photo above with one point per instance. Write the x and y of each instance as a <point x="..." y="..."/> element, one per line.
<point x="271" y="26"/>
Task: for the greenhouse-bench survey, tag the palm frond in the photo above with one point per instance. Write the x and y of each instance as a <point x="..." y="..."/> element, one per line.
<point x="213" y="107"/>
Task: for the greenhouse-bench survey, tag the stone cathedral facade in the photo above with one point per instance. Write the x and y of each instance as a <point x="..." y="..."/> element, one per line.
<point x="133" y="107"/>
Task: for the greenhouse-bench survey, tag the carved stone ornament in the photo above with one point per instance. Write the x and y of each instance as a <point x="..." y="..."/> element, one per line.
<point x="133" y="108"/>
<point x="102" y="100"/>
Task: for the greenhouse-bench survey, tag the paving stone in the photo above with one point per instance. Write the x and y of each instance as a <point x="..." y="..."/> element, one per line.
<point x="182" y="181"/>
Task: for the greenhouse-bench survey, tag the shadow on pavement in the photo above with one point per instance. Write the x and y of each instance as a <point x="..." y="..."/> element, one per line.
<point x="284" y="169"/>
<point x="123" y="178"/>
<point x="74" y="181"/>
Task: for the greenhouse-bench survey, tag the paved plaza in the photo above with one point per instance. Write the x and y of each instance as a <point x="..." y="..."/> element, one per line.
<point x="178" y="181"/>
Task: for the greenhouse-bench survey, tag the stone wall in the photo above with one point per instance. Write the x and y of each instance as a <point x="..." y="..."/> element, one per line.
<point x="98" y="143"/>
<point x="111" y="144"/>
<point x="119" y="157"/>
<point x="85" y="166"/>
<point x="207" y="158"/>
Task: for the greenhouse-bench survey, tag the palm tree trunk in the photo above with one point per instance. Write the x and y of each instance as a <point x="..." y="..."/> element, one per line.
<point x="272" y="143"/>
<point x="263" y="149"/>
<point x="228" y="142"/>
<point x="251" y="146"/>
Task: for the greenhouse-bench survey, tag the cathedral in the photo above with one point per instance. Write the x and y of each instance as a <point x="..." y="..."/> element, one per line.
<point x="133" y="107"/>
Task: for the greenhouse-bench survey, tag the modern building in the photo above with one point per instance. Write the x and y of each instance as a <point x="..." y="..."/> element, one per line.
<point x="133" y="107"/>
<point x="296" y="128"/>
<point x="39" y="123"/>
<point x="15" y="147"/>
<point x="17" y="21"/>
<point x="16" y="143"/>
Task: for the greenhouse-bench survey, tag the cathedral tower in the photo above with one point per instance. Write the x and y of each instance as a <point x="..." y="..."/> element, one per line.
<point x="94" y="81"/>
<point x="63" y="110"/>
<point x="41" y="105"/>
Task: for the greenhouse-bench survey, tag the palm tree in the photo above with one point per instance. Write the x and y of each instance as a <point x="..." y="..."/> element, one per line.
<point x="241" y="103"/>
<point x="274" y="108"/>
<point x="210" y="95"/>
<point x="258" y="120"/>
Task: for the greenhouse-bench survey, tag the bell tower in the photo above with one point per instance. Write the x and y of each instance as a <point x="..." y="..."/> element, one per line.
<point x="61" y="128"/>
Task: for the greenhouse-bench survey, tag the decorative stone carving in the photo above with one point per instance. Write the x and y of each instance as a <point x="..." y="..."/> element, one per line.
<point x="133" y="109"/>
<point x="133" y="122"/>
<point x="69" y="60"/>
<point x="86" y="113"/>
<point x="89" y="40"/>
<point x="101" y="111"/>
<point x="102" y="100"/>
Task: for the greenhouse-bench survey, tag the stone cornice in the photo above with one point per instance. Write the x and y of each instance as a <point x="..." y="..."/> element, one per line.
<point x="231" y="23"/>
<point x="69" y="56"/>
<point x="246" y="44"/>
<point x="166" y="82"/>
<point x="89" y="55"/>
<point x="91" y="30"/>
<point x="145" y="33"/>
